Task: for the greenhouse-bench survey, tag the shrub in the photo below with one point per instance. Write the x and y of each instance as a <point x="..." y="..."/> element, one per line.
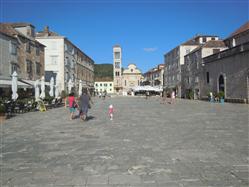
<point x="2" y="109"/>
<point x="221" y="95"/>
<point x="63" y="94"/>
<point x="190" y="94"/>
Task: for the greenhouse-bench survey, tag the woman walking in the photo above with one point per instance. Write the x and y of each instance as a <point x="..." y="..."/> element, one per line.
<point x="72" y="105"/>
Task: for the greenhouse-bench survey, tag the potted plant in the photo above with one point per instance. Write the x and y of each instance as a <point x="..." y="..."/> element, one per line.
<point x="2" y="113"/>
<point x="221" y="96"/>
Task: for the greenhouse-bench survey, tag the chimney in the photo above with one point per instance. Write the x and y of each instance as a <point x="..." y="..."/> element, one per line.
<point x="46" y="29"/>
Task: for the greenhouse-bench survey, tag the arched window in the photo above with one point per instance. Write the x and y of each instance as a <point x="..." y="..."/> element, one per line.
<point x="221" y="84"/>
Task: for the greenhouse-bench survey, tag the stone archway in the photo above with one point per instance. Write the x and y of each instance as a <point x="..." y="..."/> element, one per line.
<point x="221" y="84"/>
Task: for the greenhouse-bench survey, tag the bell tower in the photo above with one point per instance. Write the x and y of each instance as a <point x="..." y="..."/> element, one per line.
<point x="117" y="68"/>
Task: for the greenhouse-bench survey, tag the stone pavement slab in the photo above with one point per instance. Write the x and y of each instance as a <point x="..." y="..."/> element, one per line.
<point x="191" y="143"/>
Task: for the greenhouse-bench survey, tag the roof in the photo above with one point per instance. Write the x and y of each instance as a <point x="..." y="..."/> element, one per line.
<point x="194" y="41"/>
<point x="209" y="44"/>
<point x="103" y="79"/>
<point x="243" y="28"/>
<point x="9" y="30"/>
<point x="117" y="45"/>
<point x="215" y="43"/>
<point x="45" y="34"/>
<point x="21" y="24"/>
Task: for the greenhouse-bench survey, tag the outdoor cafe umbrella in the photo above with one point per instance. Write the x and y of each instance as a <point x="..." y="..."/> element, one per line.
<point x="56" y="91"/>
<point x="70" y="85"/>
<point x="57" y="87"/>
<point x="42" y="88"/>
<point x="80" y="87"/>
<point x="14" y="86"/>
<point x="51" y="92"/>
<point x="37" y="90"/>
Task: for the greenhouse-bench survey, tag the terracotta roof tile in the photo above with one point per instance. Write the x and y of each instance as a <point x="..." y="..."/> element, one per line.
<point x="8" y="29"/>
<point x="243" y="28"/>
<point x="21" y="24"/>
<point x="44" y="34"/>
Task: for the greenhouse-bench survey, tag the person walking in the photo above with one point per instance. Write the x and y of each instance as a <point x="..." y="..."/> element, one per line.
<point x="72" y="105"/>
<point x="84" y="104"/>
<point x="173" y="97"/>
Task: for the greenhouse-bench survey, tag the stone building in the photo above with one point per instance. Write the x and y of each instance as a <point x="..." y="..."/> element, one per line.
<point x="174" y="59"/>
<point x="228" y="70"/>
<point x="155" y="76"/>
<point x="124" y="80"/>
<point x="102" y="85"/>
<point x="192" y="70"/>
<point x="132" y="77"/>
<point x="20" y="52"/>
<point x="66" y="60"/>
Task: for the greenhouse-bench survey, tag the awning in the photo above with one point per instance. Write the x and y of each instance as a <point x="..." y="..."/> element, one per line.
<point x="7" y="83"/>
<point x="33" y="82"/>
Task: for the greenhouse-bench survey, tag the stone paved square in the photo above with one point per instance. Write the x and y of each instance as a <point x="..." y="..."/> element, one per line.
<point x="189" y="144"/>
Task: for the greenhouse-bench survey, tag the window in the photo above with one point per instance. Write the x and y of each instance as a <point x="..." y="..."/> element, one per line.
<point x="196" y="79"/>
<point x="233" y="43"/>
<point x="178" y="77"/>
<point x="100" y="84"/>
<point x="204" y="39"/>
<point x="207" y="74"/>
<point x="67" y="77"/>
<point x="117" y="64"/>
<point x="28" y="47"/>
<point x="216" y="51"/>
<point x="117" y="55"/>
<point x="54" y="60"/>
<point x="110" y="90"/>
<point x="131" y="70"/>
<point x="37" y="68"/>
<point x="110" y="84"/>
<point x="29" y="66"/>
<point x="13" y="49"/>
<point x="37" y="51"/>
<point x="96" y="85"/>
<point x="105" y="85"/>
<point x="187" y="51"/>
<point x="213" y="38"/>
<point x="14" y="67"/>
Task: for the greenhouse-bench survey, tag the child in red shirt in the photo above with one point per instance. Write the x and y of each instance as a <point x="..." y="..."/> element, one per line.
<point x="110" y="112"/>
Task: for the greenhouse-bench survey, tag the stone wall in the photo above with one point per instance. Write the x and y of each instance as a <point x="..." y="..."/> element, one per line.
<point x="233" y="64"/>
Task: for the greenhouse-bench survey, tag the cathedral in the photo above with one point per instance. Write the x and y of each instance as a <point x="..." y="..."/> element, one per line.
<point x="124" y="79"/>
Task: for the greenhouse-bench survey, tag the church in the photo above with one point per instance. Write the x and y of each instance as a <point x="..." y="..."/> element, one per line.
<point x="124" y="79"/>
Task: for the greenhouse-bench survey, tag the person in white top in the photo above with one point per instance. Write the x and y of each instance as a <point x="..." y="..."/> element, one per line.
<point x="173" y="96"/>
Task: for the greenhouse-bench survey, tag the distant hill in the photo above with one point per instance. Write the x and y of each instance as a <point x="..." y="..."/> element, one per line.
<point x="103" y="72"/>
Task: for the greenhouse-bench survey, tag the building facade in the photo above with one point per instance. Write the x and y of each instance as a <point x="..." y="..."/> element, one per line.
<point x="132" y="77"/>
<point x="117" y="68"/>
<point x="228" y="70"/>
<point x="174" y="60"/>
<point x="102" y="86"/>
<point x="192" y="70"/>
<point x="66" y="60"/>
<point x="20" y="52"/>
<point x="155" y="76"/>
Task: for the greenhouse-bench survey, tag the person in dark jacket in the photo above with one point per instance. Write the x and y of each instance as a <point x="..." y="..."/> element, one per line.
<point x="84" y="103"/>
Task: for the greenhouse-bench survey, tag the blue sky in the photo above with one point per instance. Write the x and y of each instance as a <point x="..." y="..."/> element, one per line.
<point x="145" y="29"/>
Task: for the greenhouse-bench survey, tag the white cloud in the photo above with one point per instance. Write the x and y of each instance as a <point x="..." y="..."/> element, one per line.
<point x="150" y="49"/>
